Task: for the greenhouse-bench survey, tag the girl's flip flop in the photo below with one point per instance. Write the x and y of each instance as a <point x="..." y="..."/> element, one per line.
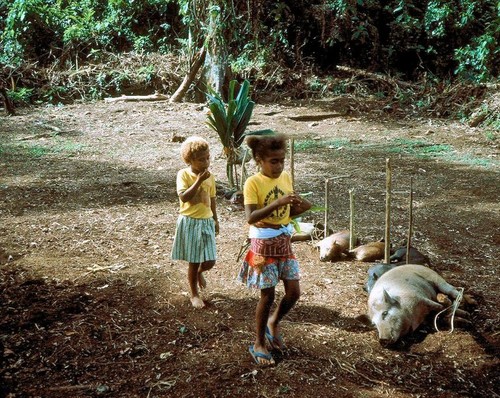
<point x="276" y="342"/>
<point x="256" y="355"/>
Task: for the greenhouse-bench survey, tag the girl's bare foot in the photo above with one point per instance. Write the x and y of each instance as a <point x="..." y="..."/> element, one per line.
<point x="202" y="283"/>
<point x="197" y="302"/>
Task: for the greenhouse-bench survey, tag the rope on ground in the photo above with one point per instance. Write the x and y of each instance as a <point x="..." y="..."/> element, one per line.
<point x="454" y="307"/>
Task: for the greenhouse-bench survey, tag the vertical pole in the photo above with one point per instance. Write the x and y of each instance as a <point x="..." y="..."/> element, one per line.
<point x="410" y="226"/>
<point x="326" y="209"/>
<point x="292" y="161"/>
<point x="352" y="233"/>
<point x="243" y="169"/>
<point x="387" y="211"/>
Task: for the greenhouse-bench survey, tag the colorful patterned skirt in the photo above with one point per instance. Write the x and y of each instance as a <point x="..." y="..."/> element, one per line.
<point x="261" y="270"/>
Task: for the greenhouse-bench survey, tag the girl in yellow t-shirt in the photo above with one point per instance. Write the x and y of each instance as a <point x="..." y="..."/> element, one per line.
<point x="197" y="223"/>
<point x="268" y="198"/>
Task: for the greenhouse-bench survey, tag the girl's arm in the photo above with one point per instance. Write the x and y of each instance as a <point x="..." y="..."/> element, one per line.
<point x="189" y="193"/>
<point x="254" y="214"/>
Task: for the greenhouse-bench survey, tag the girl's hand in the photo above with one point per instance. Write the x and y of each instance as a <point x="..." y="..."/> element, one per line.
<point x="289" y="199"/>
<point x="299" y="205"/>
<point x="203" y="175"/>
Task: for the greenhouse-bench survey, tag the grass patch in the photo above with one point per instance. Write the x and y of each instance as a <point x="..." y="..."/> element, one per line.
<point x="416" y="148"/>
<point x="419" y="148"/>
<point x="305" y="145"/>
<point x="24" y="151"/>
<point x="425" y="150"/>
<point x="491" y="136"/>
<point x="471" y="160"/>
<point x="69" y="148"/>
<point x="36" y="151"/>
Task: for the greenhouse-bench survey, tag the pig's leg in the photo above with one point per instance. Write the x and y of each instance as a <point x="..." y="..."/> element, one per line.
<point x="432" y="305"/>
<point x="446" y="288"/>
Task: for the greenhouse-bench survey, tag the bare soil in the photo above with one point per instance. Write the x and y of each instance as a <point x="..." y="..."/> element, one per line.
<point x="92" y="305"/>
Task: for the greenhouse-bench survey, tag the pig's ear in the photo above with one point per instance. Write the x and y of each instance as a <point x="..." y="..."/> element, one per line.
<point x="392" y="301"/>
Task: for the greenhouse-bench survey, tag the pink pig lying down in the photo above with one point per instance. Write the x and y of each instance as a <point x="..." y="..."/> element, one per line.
<point x="402" y="298"/>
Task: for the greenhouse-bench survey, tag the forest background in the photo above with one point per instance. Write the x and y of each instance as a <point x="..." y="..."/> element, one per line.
<point x="440" y="58"/>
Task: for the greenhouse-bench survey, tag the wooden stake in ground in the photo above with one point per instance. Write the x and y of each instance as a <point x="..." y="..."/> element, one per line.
<point x="326" y="208"/>
<point x="352" y="235"/>
<point x="387" y="211"/>
<point x="410" y="222"/>
<point x="243" y="169"/>
<point x="292" y="161"/>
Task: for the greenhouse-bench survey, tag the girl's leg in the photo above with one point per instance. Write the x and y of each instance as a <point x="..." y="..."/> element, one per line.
<point x="292" y="294"/>
<point x="261" y="316"/>
<point x="205" y="266"/>
<point x="193" y="272"/>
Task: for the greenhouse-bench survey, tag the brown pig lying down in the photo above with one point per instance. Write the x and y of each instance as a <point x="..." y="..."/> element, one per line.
<point x="401" y="299"/>
<point x="335" y="246"/>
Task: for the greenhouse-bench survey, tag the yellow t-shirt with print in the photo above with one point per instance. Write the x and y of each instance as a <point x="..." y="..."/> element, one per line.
<point x="261" y="190"/>
<point x="199" y="205"/>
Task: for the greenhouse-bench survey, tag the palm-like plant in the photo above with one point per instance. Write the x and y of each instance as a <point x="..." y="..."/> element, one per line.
<point x="230" y="121"/>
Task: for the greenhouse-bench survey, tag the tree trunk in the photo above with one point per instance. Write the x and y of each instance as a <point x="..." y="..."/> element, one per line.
<point x="190" y="76"/>
<point x="216" y="71"/>
<point x="9" y="107"/>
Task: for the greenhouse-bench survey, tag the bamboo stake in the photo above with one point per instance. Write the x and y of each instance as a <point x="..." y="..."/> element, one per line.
<point x="410" y="227"/>
<point x="387" y="211"/>
<point x="352" y="235"/>
<point x="326" y="209"/>
<point x="235" y="174"/>
<point x="292" y="161"/>
<point x="243" y="169"/>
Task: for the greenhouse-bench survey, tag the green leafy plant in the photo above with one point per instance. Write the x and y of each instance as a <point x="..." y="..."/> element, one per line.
<point x="298" y="218"/>
<point x="230" y="120"/>
<point x="21" y="95"/>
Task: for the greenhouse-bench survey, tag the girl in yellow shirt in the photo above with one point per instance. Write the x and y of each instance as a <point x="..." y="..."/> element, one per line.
<point x="197" y="223"/>
<point x="268" y="199"/>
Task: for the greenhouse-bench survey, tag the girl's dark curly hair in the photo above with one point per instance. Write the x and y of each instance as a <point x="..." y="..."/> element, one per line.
<point x="261" y="145"/>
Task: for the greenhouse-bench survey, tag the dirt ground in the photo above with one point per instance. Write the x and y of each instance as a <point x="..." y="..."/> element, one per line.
<point x="92" y="305"/>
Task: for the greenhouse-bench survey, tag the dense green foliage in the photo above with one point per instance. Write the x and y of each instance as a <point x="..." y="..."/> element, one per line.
<point x="43" y="31"/>
<point x="436" y="40"/>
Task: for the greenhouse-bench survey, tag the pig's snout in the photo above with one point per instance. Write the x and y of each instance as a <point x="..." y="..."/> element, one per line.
<point x="388" y="339"/>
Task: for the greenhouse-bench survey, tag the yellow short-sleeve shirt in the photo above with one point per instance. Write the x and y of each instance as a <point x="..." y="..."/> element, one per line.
<point x="261" y="190"/>
<point x="199" y="205"/>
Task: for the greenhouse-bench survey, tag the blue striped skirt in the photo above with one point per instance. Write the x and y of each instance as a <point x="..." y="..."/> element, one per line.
<point x="194" y="240"/>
